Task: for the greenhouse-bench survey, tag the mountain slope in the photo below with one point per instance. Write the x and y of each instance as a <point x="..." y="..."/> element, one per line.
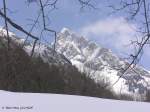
<point x="19" y="72"/>
<point x="47" y="53"/>
<point x="101" y="62"/>
<point x="98" y="62"/>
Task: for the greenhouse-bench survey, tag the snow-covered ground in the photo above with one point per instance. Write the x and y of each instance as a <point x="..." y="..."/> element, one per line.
<point x="31" y="102"/>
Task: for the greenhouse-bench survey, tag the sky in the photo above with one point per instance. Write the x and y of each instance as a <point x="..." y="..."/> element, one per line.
<point x="109" y="30"/>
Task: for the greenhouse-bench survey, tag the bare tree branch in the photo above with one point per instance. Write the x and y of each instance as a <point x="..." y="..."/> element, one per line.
<point x="141" y="6"/>
<point x="44" y="21"/>
<point x="34" y="24"/>
<point x="6" y="25"/>
<point x="85" y="3"/>
<point x="18" y="27"/>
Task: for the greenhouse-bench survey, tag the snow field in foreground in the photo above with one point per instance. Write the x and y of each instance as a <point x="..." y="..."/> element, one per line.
<point x="35" y="102"/>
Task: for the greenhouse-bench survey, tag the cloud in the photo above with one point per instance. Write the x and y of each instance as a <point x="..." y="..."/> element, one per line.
<point x="114" y="33"/>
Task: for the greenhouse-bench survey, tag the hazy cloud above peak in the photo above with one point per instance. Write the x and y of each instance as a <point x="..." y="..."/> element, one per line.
<point x="115" y="33"/>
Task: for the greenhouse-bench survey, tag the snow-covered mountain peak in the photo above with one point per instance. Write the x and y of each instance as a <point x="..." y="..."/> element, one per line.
<point x="66" y="31"/>
<point x="4" y="33"/>
<point x="73" y="46"/>
<point x="101" y="62"/>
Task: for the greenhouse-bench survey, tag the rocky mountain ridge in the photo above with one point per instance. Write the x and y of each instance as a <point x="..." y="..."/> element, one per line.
<point x="101" y="63"/>
<point x="98" y="62"/>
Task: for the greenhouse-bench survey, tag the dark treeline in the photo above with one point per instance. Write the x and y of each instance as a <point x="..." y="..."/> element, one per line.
<point x="21" y="73"/>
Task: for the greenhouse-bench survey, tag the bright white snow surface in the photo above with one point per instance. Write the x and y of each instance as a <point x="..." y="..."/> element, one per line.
<point x="66" y="103"/>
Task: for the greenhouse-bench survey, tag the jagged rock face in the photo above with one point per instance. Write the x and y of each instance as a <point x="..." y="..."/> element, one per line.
<point x="101" y="63"/>
<point x="48" y="54"/>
